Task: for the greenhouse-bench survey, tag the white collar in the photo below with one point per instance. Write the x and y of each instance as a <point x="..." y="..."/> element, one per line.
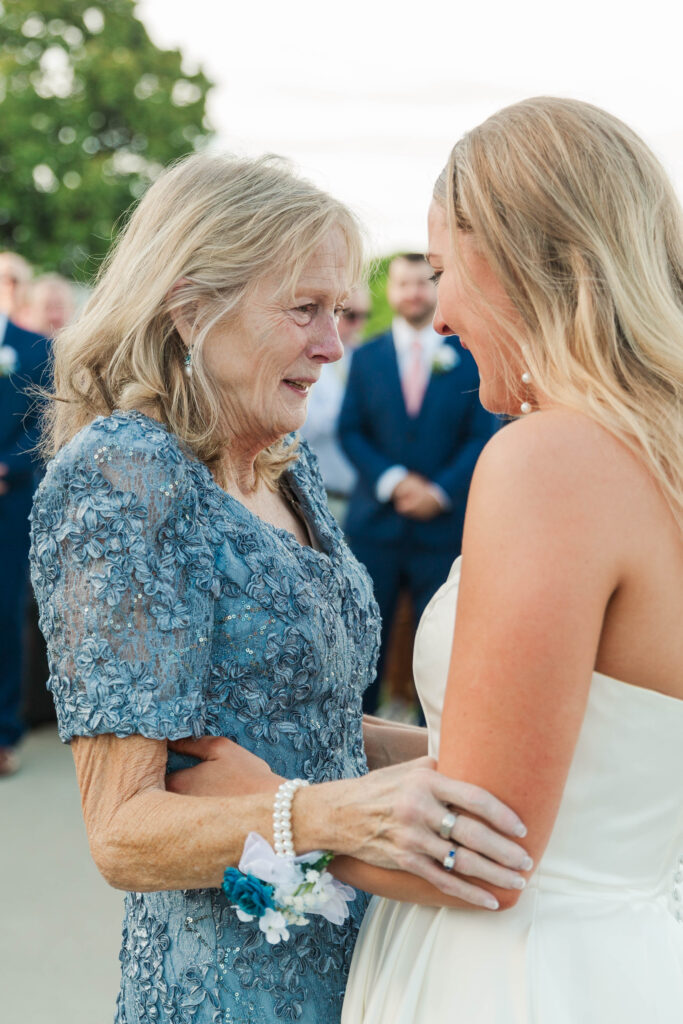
<point x="3" y="327"/>
<point x="404" y="335"/>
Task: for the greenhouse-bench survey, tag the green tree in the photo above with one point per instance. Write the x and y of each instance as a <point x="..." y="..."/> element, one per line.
<point x="90" y="112"/>
<point x="381" y="313"/>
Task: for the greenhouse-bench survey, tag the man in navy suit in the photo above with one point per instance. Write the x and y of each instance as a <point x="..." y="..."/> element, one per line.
<point x="23" y="357"/>
<point x="412" y="425"/>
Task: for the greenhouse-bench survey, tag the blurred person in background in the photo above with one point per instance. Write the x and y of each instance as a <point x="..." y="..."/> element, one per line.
<point x="15" y="277"/>
<point x="50" y="305"/>
<point x="324" y="404"/>
<point x="413" y="427"/>
<point x="23" y="356"/>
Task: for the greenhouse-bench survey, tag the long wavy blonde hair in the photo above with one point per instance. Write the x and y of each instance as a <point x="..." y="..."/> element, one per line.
<point x="582" y="226"/>
<point x="203" y="235"/>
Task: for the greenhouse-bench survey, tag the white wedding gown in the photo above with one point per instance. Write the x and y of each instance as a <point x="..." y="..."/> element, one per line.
<point x="597" y="936"/>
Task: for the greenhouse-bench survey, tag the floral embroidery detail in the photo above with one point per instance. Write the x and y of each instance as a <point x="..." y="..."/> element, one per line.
<point x="170" y="610"/>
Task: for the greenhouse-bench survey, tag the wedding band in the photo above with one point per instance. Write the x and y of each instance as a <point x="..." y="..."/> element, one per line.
<point x="446" y="826"/>
<point x="449" y="860"/>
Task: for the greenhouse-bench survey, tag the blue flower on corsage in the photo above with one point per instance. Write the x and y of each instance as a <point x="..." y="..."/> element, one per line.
<point x="9" y="360"/>
<point x="249" y="895"/>
<point x="445" y="358"/>
<point x="282" y="891"/>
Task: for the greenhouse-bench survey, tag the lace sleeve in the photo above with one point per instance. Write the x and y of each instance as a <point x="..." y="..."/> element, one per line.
<point x="124" y="581"/>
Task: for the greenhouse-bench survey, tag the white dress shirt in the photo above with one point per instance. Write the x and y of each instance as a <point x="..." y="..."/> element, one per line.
<point x="404" y="336"/>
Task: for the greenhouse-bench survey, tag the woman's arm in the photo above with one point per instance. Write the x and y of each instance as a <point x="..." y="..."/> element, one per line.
<point x="542" y="558"/>
<point x="389" y="819"/>
<point x="543" y="555"/>
<point x="144" y="838"/>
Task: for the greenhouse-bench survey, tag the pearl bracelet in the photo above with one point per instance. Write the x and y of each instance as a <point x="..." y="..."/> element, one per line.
<point x="282" y="817"/>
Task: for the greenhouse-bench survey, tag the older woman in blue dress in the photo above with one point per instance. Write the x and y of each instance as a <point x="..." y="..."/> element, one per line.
<point x="192" y="583"/>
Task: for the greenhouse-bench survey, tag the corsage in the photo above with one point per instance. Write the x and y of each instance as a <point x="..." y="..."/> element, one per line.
<point x="280" y="889"/>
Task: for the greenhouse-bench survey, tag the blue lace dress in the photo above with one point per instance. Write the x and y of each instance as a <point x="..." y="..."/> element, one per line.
<point x="170" y="610"/>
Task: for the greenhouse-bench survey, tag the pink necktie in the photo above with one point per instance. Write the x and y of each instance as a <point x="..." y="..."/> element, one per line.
<point x="414" y="381"/>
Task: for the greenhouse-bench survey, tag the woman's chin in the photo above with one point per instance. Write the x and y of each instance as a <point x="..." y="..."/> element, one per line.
<point x="292" y="422"/>
<point x="497" y="400"/>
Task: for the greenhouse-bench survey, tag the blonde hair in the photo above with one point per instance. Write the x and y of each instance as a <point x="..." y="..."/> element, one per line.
<point x="203" y="235"/>
<point x="581" y="224"/>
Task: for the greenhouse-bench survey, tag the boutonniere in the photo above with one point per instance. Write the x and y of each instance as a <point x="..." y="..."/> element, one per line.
<point x="9" y="360"/>
<point x="444" y="359"/>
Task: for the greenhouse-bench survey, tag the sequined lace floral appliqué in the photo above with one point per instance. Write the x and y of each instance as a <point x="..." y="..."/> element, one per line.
<point x="169" y="610"/>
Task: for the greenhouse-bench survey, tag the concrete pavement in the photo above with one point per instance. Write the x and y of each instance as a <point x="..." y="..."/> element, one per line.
<point x="60" y="924"/>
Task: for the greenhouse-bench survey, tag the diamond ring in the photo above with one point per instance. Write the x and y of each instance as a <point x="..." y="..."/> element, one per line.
<point x="447" y="823"/>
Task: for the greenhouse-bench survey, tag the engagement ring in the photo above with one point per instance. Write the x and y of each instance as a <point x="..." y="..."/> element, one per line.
<point x="446" y="826"/>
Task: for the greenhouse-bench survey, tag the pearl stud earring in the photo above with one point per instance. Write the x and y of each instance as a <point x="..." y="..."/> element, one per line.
<point x="525" y="407"/>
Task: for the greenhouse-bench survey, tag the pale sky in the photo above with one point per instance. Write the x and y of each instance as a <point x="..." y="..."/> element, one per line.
<point x="367" y="97"/>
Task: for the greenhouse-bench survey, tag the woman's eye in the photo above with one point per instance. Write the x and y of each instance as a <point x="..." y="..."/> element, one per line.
<point x="309" y="308"/>
<point x="338" y="310"/>
<point x="435" y="276"/>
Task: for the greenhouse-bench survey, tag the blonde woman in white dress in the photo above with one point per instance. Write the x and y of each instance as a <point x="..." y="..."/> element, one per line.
<point x="557" y="241"/>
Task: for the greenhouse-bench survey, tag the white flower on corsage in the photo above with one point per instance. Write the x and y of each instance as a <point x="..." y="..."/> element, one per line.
<point x="9" y="360"/>
<point x="444" y="359"/>
<point x="281" y="891"/>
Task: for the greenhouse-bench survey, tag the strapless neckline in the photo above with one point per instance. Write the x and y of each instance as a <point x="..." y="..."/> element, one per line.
<point x="635" y="690"/>
<point x="598" y="933"/>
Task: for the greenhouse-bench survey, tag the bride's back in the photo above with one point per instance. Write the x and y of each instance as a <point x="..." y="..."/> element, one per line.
<point x="642" y="637"/>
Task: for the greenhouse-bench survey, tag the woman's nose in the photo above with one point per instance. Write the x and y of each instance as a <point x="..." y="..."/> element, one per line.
<point x="327" y="344"/>
<point x="439" y="324"/>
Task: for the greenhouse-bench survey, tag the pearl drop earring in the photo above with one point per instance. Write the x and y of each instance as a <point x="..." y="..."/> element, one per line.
<point x="188" y="363"/>
<point x="525" y="407"/>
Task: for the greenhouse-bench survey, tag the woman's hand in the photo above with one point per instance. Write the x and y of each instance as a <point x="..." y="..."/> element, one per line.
<point x="391" y="819"/>
<point x="226" y="769"/>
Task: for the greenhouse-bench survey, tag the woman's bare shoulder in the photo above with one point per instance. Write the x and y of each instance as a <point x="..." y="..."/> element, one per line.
<point x="559" y="480"/>
<point x="561" y="453"/>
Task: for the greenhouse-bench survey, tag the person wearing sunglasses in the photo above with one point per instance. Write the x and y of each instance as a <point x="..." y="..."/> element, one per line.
<point x="324" y="404"/>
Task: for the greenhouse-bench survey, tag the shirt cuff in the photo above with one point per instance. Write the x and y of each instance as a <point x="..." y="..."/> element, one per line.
<point x="388" y="482"/>
<point x="440" y="496"/>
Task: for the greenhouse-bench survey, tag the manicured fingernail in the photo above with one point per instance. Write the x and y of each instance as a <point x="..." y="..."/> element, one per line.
<point x="520" y="830"/>
<point x="519" y="883"/>
<point x="527" y="864"/>
<point x="491" y="903"/>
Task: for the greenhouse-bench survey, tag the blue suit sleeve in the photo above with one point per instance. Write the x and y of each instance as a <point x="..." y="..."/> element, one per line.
<point x="354" y="419"/>
<point x="456" y="476"/>
<point x="22" y="458"/>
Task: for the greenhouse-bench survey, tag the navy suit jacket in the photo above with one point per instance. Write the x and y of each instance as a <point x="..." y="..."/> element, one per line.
<point x="19" y="419"/>
<point x="441" y="443"/>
